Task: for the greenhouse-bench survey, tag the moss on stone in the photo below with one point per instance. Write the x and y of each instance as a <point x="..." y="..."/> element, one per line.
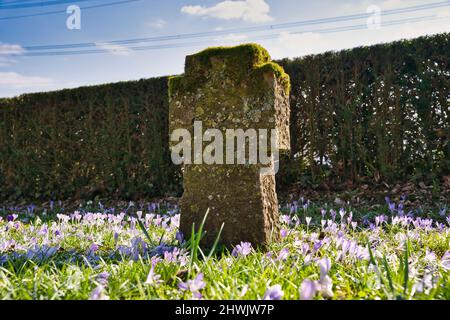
<point x="175" y="84"/>
<point x="257" y="54"/>
<point x="238" y="61"/>
<point x="279" y="72"/>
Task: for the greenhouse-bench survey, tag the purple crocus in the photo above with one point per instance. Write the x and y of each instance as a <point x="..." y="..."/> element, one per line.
<point x="342" y="213"/>
<point x="392" y="206"/>
<point x="273" y="293"/>
<point x="11" y="217"/>
<point x="333" y="214"/>
<point x="308" y="290"/>
<point x="179" y="237"/>
<point x="445" y="261"/>
<point x="283" y="255"/>
<point x="93" y="248"/>
<point x="317" y="245"/>
<point x="286" y="219"/>
<point x="102" y="278"/>
<point x="153" y="278"/>
<point x="242" y="249"/>
<point x="194" y="286"/>
<point x="325" y="266"/>
<point x="99" y="294"/>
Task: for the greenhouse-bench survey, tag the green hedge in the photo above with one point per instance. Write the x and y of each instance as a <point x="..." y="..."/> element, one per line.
<point x="377" y="113"/>
<point x="101" y="140"/>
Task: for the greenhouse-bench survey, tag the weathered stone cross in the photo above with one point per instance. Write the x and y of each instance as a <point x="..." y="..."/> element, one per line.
<point x="227" y="89"/>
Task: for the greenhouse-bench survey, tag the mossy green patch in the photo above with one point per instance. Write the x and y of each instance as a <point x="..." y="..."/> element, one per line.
<point x="175" y="84"/>
<point x="279" y="72"/>
<point x="251" y="53"/>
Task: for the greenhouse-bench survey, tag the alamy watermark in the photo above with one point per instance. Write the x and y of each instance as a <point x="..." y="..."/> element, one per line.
<point x="374" y="20"/>
<point x="73" y="21"/>
<point x="226" y="147"/>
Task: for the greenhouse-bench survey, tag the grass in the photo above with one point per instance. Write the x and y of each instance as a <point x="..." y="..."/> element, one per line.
<point x="96" y="253"/>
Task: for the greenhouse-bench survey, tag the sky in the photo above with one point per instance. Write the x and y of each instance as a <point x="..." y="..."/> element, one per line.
<point x="286" y="28"/>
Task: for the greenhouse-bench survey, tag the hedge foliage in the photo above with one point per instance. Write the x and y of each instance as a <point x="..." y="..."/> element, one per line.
<point x="378" y="113"/>
<point x="370" y="113"/>
<point x="108" y="140"/>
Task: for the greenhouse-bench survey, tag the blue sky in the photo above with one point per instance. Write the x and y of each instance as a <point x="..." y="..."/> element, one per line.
<point x="20" y="73"/>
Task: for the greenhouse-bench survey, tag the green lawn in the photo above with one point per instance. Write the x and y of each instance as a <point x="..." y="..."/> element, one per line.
<point x="98" y="253"/>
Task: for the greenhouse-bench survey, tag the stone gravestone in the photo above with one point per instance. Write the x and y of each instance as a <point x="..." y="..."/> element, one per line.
<point x="232" y="97"/>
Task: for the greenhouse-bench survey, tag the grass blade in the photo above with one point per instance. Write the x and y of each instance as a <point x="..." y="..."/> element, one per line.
<point x="406" y="268"/>
<point x="142" y="227"/>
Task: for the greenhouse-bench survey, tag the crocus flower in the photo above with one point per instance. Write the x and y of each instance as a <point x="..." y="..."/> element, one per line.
<point x="93" y="249"/>
<point x="430" y="256"/>
<point x="308" y="220"/>
<point x="99" y="294"/>
<point x="333" y="214"/>
<point x="179" y="237"/>
<point x="102" y="278"/>
<point x="11" y="217"/>
<point x="242" y="249"/>
<point x="194" y="286"/>
<point x="326" y="287"/>
<point x="307" y="290"/>
<point x="325" y="266"/>
<point x="445" y="261"/>
<point x="392" y="206"/>
<point x="153" y="278"/>
<point x="273" y="293"/>
<point x="286" y="219"/>
<point x="342" y="213"/>
<point x="283" y="255"/>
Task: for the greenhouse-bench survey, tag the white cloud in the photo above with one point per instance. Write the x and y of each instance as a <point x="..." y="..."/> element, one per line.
<point x="7" y="51"/>
<point x="443" y="13"/>
<point x="247" y="10"/>
<point x="10" y="49"/>
<point x="158" y="24"/>
<point x="15" y="80"/>
<point x="299" y="44"/>
<point x="114" y="49"/>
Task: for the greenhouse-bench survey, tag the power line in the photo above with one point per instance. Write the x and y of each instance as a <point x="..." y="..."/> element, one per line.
<point x="201" y="43"/>
<point x="44" y="3"/>
<point x="64" y="11"/>
<point x="18" y="1"/>
<point x="344" y="18"/>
